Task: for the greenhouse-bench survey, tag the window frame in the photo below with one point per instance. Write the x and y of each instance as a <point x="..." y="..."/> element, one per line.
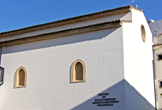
<point x="16" y="84"/>
<point x="73" y="71"/>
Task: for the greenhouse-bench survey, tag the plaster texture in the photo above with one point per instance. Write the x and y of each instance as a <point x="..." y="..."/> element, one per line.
<point x="157" y="49"/>
<point x="138" y="69"/>
<point x="117" y="62"/>
<point x="48" y="64"/>
<point x="158" y="76"/>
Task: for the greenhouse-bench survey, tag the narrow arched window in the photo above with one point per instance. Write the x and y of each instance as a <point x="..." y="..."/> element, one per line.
<point x="21" y="77"/>
<point x="78" y="71"/>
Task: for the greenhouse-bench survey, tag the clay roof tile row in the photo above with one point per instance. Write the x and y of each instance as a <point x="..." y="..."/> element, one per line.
<point x="66" y="19"/>
<point x="112" y="23"/>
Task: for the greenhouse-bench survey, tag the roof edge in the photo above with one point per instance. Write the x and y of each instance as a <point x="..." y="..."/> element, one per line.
<point x="66" y="21"/>
<point x="63" y="33"/>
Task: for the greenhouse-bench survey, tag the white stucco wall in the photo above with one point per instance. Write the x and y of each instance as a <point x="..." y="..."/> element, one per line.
<point x="139" y="87"/>
<point x="118" y="62"/>
<point x="123" y="16"/>
<point x="48" y="65"/>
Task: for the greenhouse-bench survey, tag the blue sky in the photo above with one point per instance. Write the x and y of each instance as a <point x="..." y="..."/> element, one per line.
<point x="15" y="14"/>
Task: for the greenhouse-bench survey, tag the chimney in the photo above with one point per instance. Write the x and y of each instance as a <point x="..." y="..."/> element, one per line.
<point x="136" y="6"/>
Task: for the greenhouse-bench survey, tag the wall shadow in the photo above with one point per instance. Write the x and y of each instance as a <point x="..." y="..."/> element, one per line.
<point x="135" y="101"/>
<point x="122" y="96"/>
<point x="59" y="41"/>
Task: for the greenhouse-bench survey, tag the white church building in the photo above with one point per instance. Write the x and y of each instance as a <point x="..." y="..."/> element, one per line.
<point x="97" y="61"/>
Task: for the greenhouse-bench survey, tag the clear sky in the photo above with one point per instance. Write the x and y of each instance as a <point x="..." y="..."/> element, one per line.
<point x="15" y="14"/>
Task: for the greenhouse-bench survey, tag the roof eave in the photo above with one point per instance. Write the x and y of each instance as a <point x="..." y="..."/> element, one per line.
<point x="67" y="21"/>
<point x="63" y="33"/>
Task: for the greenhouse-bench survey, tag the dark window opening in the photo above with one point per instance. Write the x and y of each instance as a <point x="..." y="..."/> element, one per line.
<point x="160" y="83"/>
<point x="159" y="57"/>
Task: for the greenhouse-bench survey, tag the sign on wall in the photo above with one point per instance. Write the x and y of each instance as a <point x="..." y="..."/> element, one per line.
<point x="105" y="100"/>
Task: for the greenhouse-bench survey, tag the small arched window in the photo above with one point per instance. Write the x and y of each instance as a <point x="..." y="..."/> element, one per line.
<point x="20" y="77"/>
<point x="78" y="71"/>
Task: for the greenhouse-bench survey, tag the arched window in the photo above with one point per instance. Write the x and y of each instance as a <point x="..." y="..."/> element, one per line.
<point x="78" y="71"/>
<point x="20" y="77"/>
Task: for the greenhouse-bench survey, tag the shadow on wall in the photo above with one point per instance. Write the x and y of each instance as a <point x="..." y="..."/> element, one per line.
<point x="135" y="101"/>
<point x="59" y="41"/>
<point x="117" y="98"/>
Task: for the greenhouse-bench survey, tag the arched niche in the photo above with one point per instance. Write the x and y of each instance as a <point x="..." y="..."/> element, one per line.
<point x="20" y="77"/>
<point x="78" y="71"/>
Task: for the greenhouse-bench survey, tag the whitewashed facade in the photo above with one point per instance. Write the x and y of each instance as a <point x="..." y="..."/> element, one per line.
<point x="119" y="72"/>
